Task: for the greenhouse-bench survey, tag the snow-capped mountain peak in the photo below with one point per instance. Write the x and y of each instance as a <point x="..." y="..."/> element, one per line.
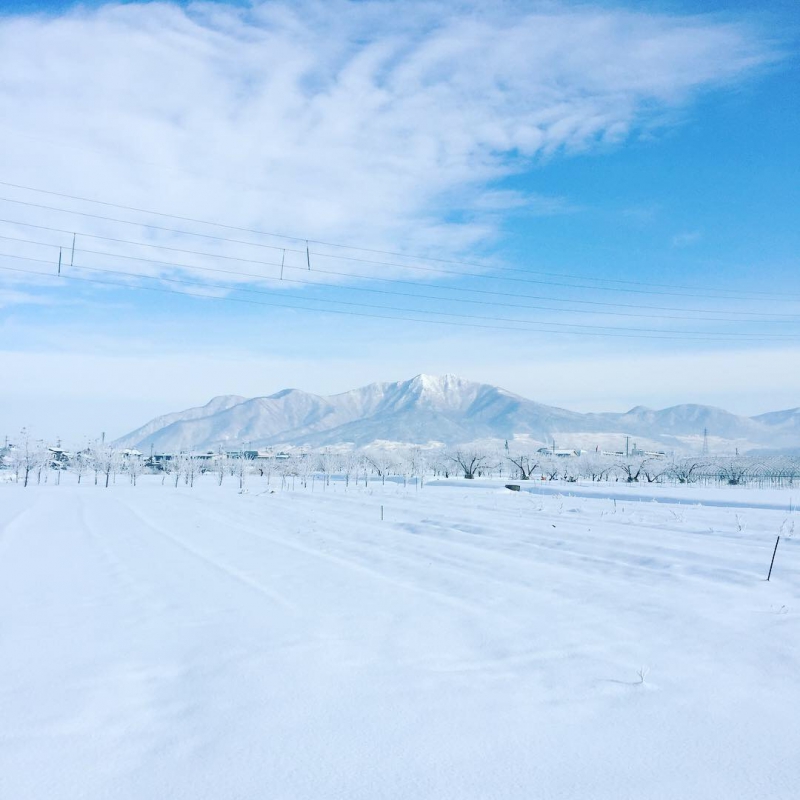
<point x="443" y="408"/>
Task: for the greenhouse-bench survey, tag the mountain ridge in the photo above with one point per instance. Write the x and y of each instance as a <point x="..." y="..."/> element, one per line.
<point x="443" y="409"/>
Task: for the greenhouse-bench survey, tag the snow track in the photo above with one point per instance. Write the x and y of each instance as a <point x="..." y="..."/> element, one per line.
<point x="198" y="643"/>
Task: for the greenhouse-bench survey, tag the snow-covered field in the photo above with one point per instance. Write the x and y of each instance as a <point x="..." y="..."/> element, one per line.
<point x="476" y="643"/>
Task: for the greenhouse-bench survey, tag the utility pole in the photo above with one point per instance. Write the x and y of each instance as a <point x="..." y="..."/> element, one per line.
<point x="705" y="441"/>
<point x="627" y="446"/>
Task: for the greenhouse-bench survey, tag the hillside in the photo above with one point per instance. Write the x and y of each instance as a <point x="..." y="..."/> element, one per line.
<point x="448" y="410"/>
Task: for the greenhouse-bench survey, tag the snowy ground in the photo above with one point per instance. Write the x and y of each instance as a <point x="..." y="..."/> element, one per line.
<point x="197" y="643"/>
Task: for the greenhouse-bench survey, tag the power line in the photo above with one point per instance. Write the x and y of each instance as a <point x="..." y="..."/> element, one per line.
<point x="320" y="310"/>
<point x="306" y="240"/>
<point x="372" y="278"/>
<point x="322" y="285"/>
<point x="587" y="329"/>
<point x="693" y="292"/>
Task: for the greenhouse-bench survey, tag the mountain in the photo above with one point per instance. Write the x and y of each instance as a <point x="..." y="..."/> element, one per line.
<point x="448" y="410"/>
<point x="788" y="420"/>
<point x="151" y="428"/>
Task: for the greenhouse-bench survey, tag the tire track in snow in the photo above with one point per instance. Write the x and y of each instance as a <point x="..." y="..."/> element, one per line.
<point x="225" y="569"/>
<point x="469" y="569"/>
<point x="117" y="567"/>
<point x="360" y="567"/>
<point x="630" y="559"/>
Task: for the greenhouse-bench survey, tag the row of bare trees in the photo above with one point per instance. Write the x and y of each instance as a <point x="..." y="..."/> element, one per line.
<point x="33" y="461"/>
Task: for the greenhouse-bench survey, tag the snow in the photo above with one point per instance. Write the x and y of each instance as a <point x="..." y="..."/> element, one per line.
<point x="477" y="643"/>
<point x="450" y="409"/>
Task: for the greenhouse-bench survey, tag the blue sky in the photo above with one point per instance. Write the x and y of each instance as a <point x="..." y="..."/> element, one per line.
<point x="624" y="160"/>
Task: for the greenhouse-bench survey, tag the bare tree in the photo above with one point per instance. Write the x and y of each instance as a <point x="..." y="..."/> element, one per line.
<point x="79" y="464"/>
<point x="442" y="464"/>
<point x="469" y="461"/>
<point x="286" y="468"/>
<point x="596" y="467"/>
<point x="551" y="468"/>
<point x="632" y="468"/>
<point x="348" y="464"/>
<point x="413" y="465"/>
<point x="571" y="469"/>
<point x="25" y="457"/>
<point x="131" y="464"/>
<point x="107" y="462"/>
<point x="328" y="464"/>
<point x="735" y="471"/>
<point x="526" y="465"/>
<point x="654" y="470"/>
<point x="381" y="461"/>
<point x="243" y="467"/>
<point x="687" y="470"/>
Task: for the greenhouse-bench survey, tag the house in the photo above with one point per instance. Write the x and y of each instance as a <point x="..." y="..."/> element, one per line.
<point x="59" y="458"/>
<point x="208" y="456"/>
<point x="128" y="454"/>
<point x="248" y="454"/>
<point x="559" y="452"/>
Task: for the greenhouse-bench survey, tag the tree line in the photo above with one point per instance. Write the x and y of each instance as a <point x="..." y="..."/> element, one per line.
<point x="30" y="461"/>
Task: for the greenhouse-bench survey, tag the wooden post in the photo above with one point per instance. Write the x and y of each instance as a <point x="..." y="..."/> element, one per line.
<point x="773" y="557"/>
<point x="382" y="515"/>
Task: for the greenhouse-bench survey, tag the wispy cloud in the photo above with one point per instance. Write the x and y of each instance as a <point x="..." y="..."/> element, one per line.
<point x="376" y="123"/>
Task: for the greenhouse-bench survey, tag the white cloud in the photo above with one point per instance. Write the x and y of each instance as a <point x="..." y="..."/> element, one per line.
<point x="383" y="124"/>
<point x="379" y="123"/>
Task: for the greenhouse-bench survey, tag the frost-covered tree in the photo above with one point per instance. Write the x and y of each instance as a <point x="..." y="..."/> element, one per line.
<point x="381" y="461"/>
<point x="655" y="469"/>
<point x="27" y="457"/>
<point x="107" y="460"/>
<point x="412" y="465"/>
<point x="550" y="467"/>
<point x="132" y="466"/>
<point x="469" y="462"/>
<point x="734" y="471"/>
<point x="632" y="468"/>
<point x="348" y="466"/>
<point x="524" y="464"/>
<point x="80" y="464"/>
<point x="328" y="464"/>
<point x="686" y="470"/>
<point x="596" y="466"/>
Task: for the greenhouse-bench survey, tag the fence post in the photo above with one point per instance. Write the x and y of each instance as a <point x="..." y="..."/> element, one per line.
<point x="773" y="557"/>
